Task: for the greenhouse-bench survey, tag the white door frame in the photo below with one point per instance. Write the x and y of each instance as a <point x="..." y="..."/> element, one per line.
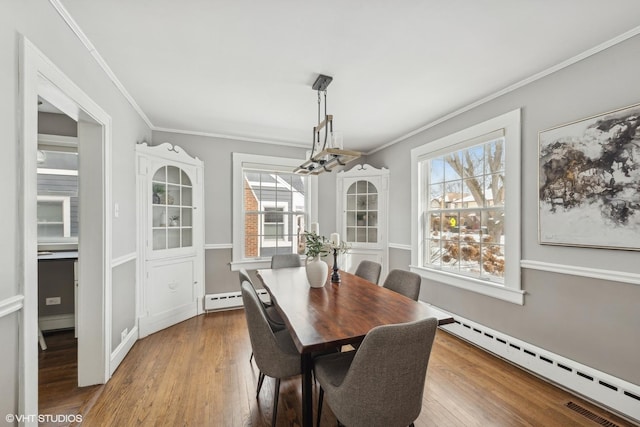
<point x="40" y="76"/>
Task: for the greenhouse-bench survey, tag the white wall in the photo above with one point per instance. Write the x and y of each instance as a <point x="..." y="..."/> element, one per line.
<point x="40" y="23"/>
<point x="594" y="322"/>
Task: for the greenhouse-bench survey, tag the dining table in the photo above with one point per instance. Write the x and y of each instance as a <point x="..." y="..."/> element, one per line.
<point x="336" y="314"/>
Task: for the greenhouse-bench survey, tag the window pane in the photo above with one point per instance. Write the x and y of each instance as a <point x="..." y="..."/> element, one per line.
<point x="495" y="190"/>
<point x="160" y="175"/>
<point x="493" y="260"/>
<point x="494" y="153"/>
<point x="159" y="239"/>
<point x="59" y="160"/>
<point x="50" y="212"/>
<point x="436" y="169"/>
<point x="473" y="161"/>
<point x="173" y="175"/>
<point x="373" y="235"/>
<point x="452" y="162"/>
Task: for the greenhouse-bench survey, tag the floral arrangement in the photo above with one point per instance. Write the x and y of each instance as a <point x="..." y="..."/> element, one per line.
<point x="316" y="245"/>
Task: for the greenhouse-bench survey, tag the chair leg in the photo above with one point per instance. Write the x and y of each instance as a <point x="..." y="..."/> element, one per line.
<point x="320" y="399"/>
<point x="260" y="381"/>
<point x="276" y="393"/>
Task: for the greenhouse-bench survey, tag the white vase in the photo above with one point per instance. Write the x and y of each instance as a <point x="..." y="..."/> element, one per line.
<point x="317" y="271"/>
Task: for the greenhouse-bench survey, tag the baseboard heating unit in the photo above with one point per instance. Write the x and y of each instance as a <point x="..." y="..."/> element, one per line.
<point x="229" y="300"/>
<point x="604" y="389"/>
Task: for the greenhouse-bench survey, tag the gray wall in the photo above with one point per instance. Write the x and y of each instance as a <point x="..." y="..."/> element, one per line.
<point x="124" y="291"/>
<point x="42" y="25"/>
<point x="216" y="153"/>
<point x="55" y="279"/>
<point x="57" y="124"/>
<point x="594" y="322"/>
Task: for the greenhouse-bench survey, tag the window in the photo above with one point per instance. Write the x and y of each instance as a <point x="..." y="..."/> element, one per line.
<point x="466" y="217"/>
<point x="57" y="213"/>
<point x="271" y="207"/>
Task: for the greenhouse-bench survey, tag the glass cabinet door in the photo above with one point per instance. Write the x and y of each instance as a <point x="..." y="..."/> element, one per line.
<point x="361" y="213"/>
<point x="172" y="209"/>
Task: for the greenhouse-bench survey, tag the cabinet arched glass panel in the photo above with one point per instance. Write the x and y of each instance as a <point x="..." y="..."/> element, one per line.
<point x="362" y="213"/>
<point x="172" y="213"/>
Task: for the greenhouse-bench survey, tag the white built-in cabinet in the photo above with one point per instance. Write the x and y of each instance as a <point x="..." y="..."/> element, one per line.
<point x="362" y="215"/>
<point x="171" y="236"/>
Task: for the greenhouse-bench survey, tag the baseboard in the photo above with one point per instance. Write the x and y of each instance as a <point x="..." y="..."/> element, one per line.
<point x="117" y="356"/>
<point x="229" y="300"/>
<point x="57" y="321"/>
<point x="610" y="392"/>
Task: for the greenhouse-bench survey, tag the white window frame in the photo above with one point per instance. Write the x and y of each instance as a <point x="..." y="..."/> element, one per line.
<point x="509" y="123"/>
<point x="266" y="163"/>
<point x="65" y="205"/>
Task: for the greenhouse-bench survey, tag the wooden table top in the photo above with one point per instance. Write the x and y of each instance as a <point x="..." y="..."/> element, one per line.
<point x="338" y="314"/>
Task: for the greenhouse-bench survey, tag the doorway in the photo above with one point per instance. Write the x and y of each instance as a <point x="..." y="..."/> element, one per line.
<point x="41" y="78"/>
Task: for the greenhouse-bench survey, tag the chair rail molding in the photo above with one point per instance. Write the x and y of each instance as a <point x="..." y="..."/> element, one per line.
<point x="11" y="305"/>
<point x="573" y="270"/>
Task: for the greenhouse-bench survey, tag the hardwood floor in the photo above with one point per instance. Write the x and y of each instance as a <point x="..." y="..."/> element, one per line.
<point x="58" y="391"/>
<point x="197" y="373"/>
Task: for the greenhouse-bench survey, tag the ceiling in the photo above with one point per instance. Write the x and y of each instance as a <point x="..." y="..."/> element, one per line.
<point x="244" y="68"/>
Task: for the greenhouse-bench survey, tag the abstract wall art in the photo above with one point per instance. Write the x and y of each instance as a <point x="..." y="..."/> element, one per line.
<point x="589" y="182"/>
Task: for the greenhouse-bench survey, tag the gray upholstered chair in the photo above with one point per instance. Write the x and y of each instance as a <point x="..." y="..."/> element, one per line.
<point x="285" y="261"/>
<point x="383" y="382"/>
<point x="275" y="353"/>
<point x="404" y="282"/>
<point x="369" y="270"/>
<point x="273" y="317"/>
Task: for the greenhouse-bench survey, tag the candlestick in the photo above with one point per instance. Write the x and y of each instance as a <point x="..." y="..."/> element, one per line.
<point x="335" y="277"/>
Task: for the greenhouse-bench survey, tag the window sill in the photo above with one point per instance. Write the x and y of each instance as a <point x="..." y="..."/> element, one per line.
<point x="250" y="264"/>
<point x="515" y="296"/>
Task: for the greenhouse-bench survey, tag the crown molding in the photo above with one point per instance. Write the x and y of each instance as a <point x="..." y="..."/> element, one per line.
<point x="68" y="19"/>
<point x="232" y="137"/>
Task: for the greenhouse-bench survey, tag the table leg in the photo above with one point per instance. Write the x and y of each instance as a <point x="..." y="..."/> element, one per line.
<point x="307" y="390"/>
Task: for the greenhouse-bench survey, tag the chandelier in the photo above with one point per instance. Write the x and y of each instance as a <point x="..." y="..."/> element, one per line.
<point x="326" y="152"/>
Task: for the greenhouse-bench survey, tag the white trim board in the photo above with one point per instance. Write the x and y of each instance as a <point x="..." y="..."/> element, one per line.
<point x="11" y="305"/>
<point x="593" y="273"/>
<point x="399" y="246"/>
<point x="606" y="390"/>
<point x="115" y="262"/>
<point x="57" y="321"/>
<point x="118" y="355"/>
<point x="208" y="246"/>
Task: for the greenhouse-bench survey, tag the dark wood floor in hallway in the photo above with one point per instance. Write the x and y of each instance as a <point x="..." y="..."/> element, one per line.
<point x="197" y="373"/>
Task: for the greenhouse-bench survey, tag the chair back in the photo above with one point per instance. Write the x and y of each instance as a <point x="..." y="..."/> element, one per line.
<point x="244" y="276"/>
<point x="404" y="282"/>
<point x="385" y="382"/>
<point x="369" y="270"/>
<point x="285" y="261"/>
<point x="271" y="358"/>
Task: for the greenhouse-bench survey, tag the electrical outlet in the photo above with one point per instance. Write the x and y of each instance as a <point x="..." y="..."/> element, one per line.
<point x="123" y="334"/>
<point x="53" y="301"/>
